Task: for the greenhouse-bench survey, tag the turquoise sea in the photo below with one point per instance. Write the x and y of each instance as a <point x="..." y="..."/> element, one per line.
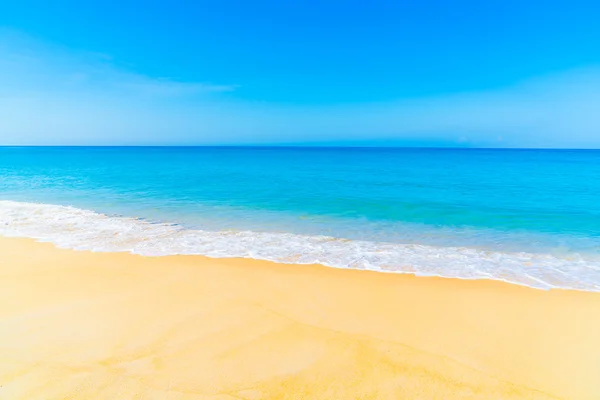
<point x="526" y="216"/>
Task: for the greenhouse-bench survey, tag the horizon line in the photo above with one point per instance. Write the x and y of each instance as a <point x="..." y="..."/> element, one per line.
<point x="303" y="147"/>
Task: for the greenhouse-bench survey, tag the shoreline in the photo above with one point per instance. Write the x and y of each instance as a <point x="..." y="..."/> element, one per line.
<point x="115" y="325"/>
<point x="86" y="229"/>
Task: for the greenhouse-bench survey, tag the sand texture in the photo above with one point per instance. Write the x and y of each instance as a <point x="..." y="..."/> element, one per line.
<point x="82" y="325"/>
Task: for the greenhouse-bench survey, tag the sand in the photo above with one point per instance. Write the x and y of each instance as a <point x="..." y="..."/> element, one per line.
<point x="82" y="325"/>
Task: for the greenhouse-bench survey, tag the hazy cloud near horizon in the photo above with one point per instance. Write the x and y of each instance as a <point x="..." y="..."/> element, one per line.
<point x="54" y="96"/>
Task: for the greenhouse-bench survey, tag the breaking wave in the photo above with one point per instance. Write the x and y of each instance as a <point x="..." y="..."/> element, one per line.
<point x="79" y="229"/>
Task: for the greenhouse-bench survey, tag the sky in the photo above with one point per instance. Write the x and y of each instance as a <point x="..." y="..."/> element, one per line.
<point x="464" y="73"/>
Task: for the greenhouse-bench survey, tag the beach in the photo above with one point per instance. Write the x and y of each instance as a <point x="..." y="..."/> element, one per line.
<point x="84" y="325"/>
<point x="299" y="201"/>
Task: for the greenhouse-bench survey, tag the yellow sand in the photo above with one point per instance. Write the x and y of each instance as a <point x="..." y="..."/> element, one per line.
<point x="80" y="325"/>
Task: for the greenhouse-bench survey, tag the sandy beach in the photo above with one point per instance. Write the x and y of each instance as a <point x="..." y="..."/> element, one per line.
<point x="82" y="325"/>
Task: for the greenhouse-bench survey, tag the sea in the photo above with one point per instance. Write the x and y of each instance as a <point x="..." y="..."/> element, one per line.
<point x="529" y="217"/>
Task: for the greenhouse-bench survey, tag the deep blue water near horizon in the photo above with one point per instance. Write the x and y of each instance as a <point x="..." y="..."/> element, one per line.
<point x="544" y="202"/>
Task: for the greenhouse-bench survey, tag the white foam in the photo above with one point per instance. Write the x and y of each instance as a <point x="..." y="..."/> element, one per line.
<point x="79" y="229"/>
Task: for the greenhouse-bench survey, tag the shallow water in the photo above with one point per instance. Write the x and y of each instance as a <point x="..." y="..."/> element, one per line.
<point x="525" y="216"/>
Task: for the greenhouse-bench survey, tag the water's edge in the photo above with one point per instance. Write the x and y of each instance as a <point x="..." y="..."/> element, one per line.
<point x="79" y="229"/>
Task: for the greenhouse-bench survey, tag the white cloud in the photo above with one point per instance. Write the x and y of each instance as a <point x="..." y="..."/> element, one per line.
<point x="50" y="95"/>
<point x="29" y="65"/>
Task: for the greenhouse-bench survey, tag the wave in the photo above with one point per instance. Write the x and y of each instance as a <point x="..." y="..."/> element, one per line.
<point x="80" y="229"/>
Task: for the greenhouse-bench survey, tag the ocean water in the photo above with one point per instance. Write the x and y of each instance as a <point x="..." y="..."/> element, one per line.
<point x="530" y="217"/>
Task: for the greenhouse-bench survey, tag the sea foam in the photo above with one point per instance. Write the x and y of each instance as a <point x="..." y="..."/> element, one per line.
<point x="79" y="229"/>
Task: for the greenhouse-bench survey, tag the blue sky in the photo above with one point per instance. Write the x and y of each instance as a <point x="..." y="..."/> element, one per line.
<point x="428" y="73"/>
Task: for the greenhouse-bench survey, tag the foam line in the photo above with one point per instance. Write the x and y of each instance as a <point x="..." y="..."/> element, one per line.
<point x="79" y="229"/>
